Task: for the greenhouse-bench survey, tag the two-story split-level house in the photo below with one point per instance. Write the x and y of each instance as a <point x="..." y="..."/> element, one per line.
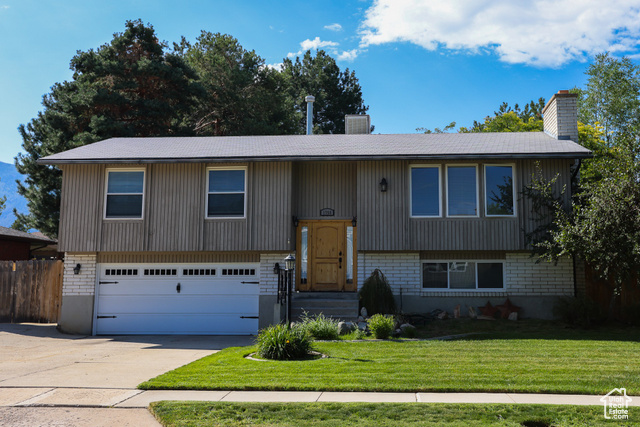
<point x="181" y="235"/>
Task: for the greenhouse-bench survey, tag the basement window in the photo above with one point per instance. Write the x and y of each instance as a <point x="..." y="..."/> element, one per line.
<point x="463" y="275"/>
<point x="226" y="192"/>
<point x="125" y="193"/>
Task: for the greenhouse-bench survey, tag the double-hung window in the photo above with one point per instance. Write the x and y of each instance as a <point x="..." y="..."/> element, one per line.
<point x="462" y="191"/>
<point x="425" y="191"/>
<point x="463" y="275"/>
<point x="226" y="191"/>
<point x="125" y="193"/>
<point x="499" y="190"/>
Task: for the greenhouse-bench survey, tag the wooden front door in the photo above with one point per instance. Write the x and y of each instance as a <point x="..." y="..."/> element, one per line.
<point x="326" y="254"/>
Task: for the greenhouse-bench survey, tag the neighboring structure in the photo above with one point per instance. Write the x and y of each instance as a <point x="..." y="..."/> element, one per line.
<point x="181" y="235"/>
<point x="19" y="246"/>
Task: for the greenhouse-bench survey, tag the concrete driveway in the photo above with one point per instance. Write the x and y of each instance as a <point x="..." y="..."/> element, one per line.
<point x="41" y="367"/>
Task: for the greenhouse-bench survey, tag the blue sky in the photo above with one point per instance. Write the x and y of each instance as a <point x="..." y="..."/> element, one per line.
<point x="421" y="63"/>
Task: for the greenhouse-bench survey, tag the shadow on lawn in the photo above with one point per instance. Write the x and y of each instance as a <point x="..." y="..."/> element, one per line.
<point x="470" y="329"/>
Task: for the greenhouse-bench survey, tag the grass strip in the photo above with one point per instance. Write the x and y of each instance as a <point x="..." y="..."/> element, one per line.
<point x="191" y="414"/>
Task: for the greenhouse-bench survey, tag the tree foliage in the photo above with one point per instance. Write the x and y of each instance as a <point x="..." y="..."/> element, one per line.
<point x="337" y="92"/>
<point x="127" y="88"/>
<point x="242" y="95"/>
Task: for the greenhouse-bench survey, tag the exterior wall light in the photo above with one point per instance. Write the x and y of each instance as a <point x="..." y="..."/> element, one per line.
<point x="383" y="185"/>
<point x="295" y="221"/>
<point x="76" y="269"/>
<point x="354" y="221"/>
<point x="276" y="268"/>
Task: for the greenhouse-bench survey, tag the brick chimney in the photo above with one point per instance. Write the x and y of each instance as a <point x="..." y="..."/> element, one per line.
<point x="560" y="116"/>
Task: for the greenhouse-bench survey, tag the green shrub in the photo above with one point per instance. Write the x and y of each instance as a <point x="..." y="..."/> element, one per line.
<point x="409" y="332"/>
<point x="580" y="311"/>
<point x="320" y="327"/>
<point x="381" y="326"/>
<point x="376" y="294"/>
<point x="279" y="342"/>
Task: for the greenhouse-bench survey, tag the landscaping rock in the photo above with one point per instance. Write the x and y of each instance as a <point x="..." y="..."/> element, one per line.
<point x="345" y="328"/>
<point x="361" y="319"/>
<point x="513" y="316"/>
<point x="407" y="326"/>
<point x="397" y="333"/>
<point x="443" y="315"/>
<point x="456" y="312"/>
<point x="363" y="312"/>
<point x="362" y="326"/>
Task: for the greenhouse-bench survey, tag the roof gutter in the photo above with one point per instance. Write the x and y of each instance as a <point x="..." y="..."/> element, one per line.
<point x="317" y="158"/>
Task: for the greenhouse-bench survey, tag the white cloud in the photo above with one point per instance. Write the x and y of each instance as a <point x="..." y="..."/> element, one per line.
<point x="4" y="6"/>
<point x="546" y="33"/>
<point x="348" y="55"/>
<point x="276" y="66"/>
<point x="314" y="44"/>
<point x="333" y="27"/>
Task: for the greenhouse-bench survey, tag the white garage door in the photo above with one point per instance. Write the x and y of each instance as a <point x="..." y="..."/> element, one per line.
<point x="199" y="299"/>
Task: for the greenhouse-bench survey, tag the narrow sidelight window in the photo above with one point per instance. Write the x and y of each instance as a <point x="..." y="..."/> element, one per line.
<point x="226" y="193"/>
<point x="498" y="190"/>
<point x="125" y="191"/>
<point x="462" y="191"/>
<point x="425" y="191"/>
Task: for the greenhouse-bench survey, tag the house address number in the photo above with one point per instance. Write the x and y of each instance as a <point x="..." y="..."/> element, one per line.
<point x="327" y="212"/>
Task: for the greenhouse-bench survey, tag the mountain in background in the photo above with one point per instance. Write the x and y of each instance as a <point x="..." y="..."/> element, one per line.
<point x="8" y="187"/>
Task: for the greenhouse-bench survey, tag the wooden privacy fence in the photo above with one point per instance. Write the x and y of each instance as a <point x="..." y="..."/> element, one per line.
<point x="30" y="291"/>
<point x="600" y="290"/>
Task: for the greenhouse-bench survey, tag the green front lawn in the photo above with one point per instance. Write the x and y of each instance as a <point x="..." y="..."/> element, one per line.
<point x="566" y="361"/>
<point x="370" y="414"/>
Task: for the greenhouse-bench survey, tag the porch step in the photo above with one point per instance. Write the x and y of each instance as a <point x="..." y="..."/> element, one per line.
<point x="338" y="305"/>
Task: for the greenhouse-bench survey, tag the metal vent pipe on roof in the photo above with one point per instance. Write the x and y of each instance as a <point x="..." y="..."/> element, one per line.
<point x="309" y="100"/>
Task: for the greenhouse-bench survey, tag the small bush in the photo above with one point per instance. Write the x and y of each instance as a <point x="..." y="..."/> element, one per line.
<point x="320" y="327"/>
<point x="409" y="332"/>
<point x="376" y="294"/>
<point x="381" y="326"/>
<point x="279" y="342"/>
<point x="580" y="311"/>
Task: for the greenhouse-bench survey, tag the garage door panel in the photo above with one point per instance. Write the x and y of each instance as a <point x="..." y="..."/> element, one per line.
<point x="131" y="287"/>
<point x="147" y="324"/>
<point x="128" y="302"/>
<point x="173" y="304"/>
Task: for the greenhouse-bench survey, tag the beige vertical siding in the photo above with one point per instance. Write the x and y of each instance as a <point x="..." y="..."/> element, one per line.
<point x="270" y="207"/>
<point x="122" y="236"/>
<point x="176" y="207"/>
<point x="382" y="217"/>
<point x="177" y="257"/>
<point x="322" y="185"/>
<point x="81" y="208"/>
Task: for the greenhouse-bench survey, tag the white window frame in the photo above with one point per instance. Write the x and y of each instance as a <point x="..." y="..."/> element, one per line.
<point x="446" y="177"/>
<point x="513" y="174"/>
<point x="440" y="207"/>
<point x="476" y="261"/>
<point x="206" y="196"/>
<point x="106" y="192"/>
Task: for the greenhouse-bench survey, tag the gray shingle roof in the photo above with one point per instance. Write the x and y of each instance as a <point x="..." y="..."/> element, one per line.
<point x="321" y="147"/>
<point x="21" y="235"/>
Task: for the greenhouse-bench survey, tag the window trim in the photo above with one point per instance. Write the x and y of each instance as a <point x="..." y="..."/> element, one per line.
<point x="515" y="204"/>
<point x="206" y="195"/>
<point x="106" y="192"/>
<point x="440" y="195"/>
<point x="475" y="165"/>
<point x="476" y="261"/>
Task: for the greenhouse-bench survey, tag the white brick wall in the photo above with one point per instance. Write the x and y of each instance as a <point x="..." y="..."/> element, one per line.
<point x="83" y="283"/>
<point x="523" y="275"/>
<point x="526" y="277"/>
<point x="268" y="279"/>
<point x="401" y="269"/>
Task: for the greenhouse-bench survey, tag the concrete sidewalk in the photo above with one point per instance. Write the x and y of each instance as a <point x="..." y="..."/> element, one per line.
<point x="132" y="398"/>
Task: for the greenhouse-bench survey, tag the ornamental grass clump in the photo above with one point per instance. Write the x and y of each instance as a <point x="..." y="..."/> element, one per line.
<point x="280" y="342"/>
<point x="381" y="326"/>
<point x="320" y="327"/>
